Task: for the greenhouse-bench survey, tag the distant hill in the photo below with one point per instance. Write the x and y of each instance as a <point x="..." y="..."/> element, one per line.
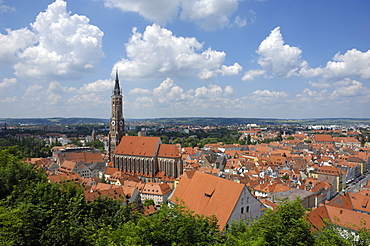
<point x="260" y="121"/>
<point x="51" y="121"/>
<point x="191" y="121"/>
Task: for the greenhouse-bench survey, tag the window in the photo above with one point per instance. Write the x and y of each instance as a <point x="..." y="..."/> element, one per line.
<point x="242" y="210"/>
<point x="247" y="209"/>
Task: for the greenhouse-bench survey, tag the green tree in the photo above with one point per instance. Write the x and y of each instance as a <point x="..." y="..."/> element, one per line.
<point x="138" y="205"/>
<point x="285" y="226"/>
<point x="14" y="173"/>
<point x="168" y="226"/>
<point x="97" y="144"/>
<point x="331" y="234"/>
<point x="285" y="176"/>
<point x="249" y="142"/>
<point x="148" y="202"/>
<point x="328" y="235"/>
<point x="76" y="141"/>
<point x="279" y="138"/>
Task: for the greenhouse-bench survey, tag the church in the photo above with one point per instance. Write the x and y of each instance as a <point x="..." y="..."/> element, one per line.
<point x="145" y="157"/>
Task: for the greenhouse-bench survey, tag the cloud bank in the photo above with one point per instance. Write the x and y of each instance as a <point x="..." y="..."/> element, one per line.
<point x="59" y="45"/>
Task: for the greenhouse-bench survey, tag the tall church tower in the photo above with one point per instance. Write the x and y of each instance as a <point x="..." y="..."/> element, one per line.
<point x="117" y="124"/>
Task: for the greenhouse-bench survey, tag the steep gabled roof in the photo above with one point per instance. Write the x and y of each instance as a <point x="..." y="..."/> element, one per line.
<point x="360" y="202"/>
<point x="64" y="178"/>
<point x="86" y="157"/>
<point x="67" y="167"/>
<point x="156" y="188"/>
<point x="206" y="194"/>
<point x="318" y="215"/>
<point x="343" y="201"/>
<point x="348" y="218"/>
<point x="138" y="146"/>
<point x="169" y="151"/>
<point x="323" y="138"/>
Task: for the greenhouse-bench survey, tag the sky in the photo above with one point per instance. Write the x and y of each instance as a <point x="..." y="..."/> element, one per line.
<point x="288" y="59"/>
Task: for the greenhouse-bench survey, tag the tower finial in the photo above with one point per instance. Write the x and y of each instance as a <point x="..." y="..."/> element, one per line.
<point x="117" y="90"/>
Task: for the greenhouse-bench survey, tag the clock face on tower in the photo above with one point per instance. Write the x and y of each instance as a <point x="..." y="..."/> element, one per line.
<point x="121" y="123"/>
<point x="113" y="123"/>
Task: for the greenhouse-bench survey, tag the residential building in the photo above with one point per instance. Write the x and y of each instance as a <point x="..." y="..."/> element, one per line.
<point x="208" y="195"/>
<point x="156" y="192"/>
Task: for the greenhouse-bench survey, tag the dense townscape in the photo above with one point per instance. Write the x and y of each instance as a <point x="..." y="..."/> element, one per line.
<point x="186" y="122"/>
<point x="233" y="183"/>
<point x="325" y="167"/>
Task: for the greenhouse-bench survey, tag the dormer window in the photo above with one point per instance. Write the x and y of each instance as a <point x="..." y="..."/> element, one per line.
<point x="207" y="195"/>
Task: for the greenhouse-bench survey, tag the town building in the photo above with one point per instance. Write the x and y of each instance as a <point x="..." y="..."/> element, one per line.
<point x="206" y="194"/>
<point x="145" y="157"/>
<point x="117" y="128"/>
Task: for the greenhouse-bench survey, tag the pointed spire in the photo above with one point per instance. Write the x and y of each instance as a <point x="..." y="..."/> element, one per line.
<point x="117" y="90"/>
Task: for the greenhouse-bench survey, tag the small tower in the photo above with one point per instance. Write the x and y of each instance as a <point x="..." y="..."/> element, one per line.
<point x="117" y="124"/>
<point x="93" y="136"/>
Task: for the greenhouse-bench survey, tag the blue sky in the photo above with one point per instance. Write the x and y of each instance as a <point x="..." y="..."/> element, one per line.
<point x="178" y="58"/>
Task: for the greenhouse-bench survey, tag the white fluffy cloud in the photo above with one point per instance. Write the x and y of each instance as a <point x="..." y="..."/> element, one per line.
<point x="319" y="84"/>
<point x="231" y="70"/>
<point x="229" y="90"/>
<point x="164" y="95"/>
<point x="239" y="22"/>
<point x="266" y="94"/>
<point x="159" y="11"/>
<point x="349" y="88"/>
<point x="62" y="97"/>
<point x="167" y="91"/>
<point x="67" y="45"/>
<point x="14" y="42"/>
<point x="283" y="60"/>
<point x="97" y="86"/>
<point x="8" y="100"/>
<point x="7" y="83"/>
<point x="86" y="100"/>
<point x="208" y="14"/>
<point x="252" y="74"/>
<point x="278" y="58"/>
<point x="157" y="53"/>
<point x="353" y="63"/>
<point x="211" y="91"/>
<point x="168" y="94"/>
<point x="310" y="98"/>
<point x="140" y="91"/>
<point x="56" y="87"/>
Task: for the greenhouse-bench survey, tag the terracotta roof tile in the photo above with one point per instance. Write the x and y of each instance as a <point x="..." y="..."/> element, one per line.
<point x="138" y="146"/>
<point x="168" y="150"/>
<point x="207" y="194"/>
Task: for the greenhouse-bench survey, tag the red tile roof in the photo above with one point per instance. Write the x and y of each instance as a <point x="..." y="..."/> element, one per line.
<point x="206" y="194"/>
<point x="168" y="150"/>
<point x="323" y="138"/>
<point x="138" y="146"/>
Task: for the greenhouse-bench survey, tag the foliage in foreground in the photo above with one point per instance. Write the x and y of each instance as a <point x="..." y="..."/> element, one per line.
<point x="285" y="226"/>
